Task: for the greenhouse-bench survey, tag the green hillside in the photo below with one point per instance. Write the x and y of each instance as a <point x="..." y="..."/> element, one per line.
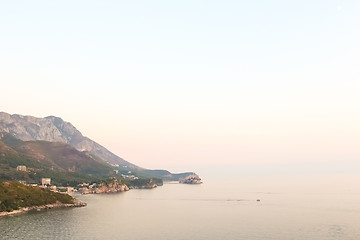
<point x="162" y="174"/>
<point x="63" y="163"/>
<point x="15" y="195"/>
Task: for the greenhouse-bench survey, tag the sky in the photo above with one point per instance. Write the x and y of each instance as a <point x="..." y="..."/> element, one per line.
<point x="182" y="85"/>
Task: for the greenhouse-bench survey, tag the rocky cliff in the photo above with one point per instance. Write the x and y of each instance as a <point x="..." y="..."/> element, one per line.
<point x="112" y="186"/>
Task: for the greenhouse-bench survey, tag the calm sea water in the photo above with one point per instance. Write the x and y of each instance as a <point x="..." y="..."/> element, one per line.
<point x="304" y="209"/>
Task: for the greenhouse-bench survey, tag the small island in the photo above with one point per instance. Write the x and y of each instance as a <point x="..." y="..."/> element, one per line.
<point x="191" y="179"/>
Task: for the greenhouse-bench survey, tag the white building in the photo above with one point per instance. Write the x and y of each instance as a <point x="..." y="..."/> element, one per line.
<point x="46" y="181"/>
<point x="21" y="168"/>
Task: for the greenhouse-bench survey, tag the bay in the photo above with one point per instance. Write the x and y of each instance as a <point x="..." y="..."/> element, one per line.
<point x="238" y="208"/>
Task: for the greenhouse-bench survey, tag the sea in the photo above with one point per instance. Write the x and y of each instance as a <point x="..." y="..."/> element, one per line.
<point x="249" y="208"/>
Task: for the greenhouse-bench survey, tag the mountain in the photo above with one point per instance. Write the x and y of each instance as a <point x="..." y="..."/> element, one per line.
<point x="56" y="131"/>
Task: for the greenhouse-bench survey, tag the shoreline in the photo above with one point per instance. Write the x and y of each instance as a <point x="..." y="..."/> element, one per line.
<point x="77" y="203"/>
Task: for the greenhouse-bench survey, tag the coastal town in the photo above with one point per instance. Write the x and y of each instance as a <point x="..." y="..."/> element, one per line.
<point x="121" y="183"/>
<point x="111" y="186"/>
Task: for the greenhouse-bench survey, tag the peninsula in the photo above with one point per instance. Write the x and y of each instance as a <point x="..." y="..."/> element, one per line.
<point x="17" y="198"/>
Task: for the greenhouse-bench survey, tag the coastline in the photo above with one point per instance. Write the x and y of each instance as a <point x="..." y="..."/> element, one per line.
<point x="77" y="203"/>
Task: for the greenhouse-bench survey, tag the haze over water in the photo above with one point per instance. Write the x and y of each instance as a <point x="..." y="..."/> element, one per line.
<point x="289" y="208"/>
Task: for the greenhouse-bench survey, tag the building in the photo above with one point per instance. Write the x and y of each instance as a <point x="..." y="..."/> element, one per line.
<point x="46" y="181"/>
<point x="21" y="168"/>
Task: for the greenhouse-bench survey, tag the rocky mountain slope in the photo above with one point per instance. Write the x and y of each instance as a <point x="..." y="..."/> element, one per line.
<point x="57" y="156"/>
<point x="54" y="129"/>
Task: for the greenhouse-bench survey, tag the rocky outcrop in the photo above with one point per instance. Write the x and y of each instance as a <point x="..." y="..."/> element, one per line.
<point x="192" y="179"/>
<point x="105" y="187"/>
<point x="77" y="203"/>
<point x="116" y="185"/>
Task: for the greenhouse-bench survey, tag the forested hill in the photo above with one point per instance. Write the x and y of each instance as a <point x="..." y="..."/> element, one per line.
<point x="15" y="195"/>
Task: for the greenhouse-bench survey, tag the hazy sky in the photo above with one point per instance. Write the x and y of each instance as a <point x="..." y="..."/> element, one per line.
<point x="183" y="84"/>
